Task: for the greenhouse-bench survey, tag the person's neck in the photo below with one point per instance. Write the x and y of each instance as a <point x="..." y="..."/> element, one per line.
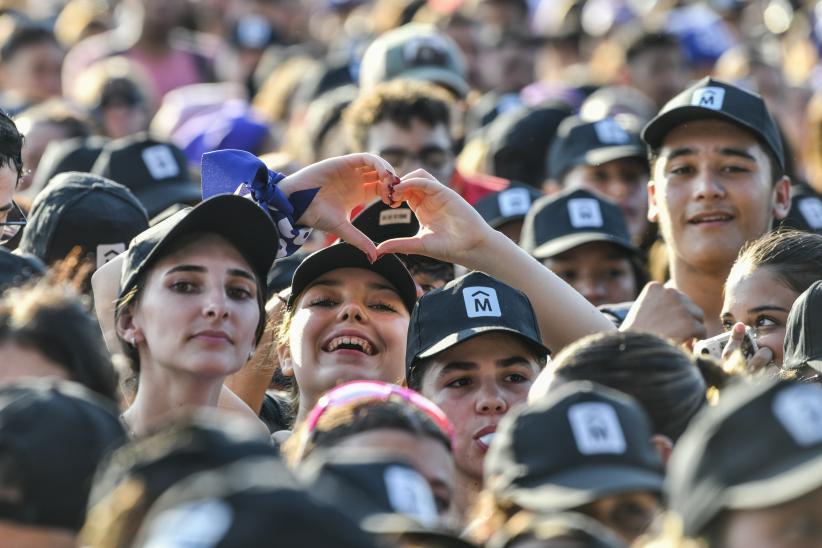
<point x="162" y="391"/>
<point x="466" y="493"/>
<point x="704" y="288"/>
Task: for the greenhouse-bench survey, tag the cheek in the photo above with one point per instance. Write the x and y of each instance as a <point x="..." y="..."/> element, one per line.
<point x="773" y="340"/>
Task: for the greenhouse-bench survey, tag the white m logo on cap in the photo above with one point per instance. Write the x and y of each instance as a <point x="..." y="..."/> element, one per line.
<point x="481" y="302"/>
<point x="799" y="409"/>
<point x="610" y="132"/>
<point x="596" y="428"/>
<point x="160" y="162"/>
<point x="710" y="97"/>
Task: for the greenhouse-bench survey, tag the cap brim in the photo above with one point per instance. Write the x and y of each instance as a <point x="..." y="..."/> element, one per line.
<point x="791" y="365"/>
<point x="566" y="243"/>
<point x="600" y="156"/>
<point x="345" y="255"/>
<point x="255" y="237"/>
<point x="584" y="485"/>
<point x="656" y="130"/>
<point x="787" y="482"/>
<point x="166" y="194"/>
<point x="441" y="76"/>
<point x="453" y="339"/>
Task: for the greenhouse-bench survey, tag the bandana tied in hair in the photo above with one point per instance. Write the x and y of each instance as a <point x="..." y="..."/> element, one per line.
<point x="241" y="173"/>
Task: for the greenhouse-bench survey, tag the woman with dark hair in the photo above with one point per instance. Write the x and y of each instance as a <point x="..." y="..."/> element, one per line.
<point x="767" y="277"/>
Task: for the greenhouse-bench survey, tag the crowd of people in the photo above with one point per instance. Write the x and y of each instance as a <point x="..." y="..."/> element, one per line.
<point x="440" y="273"/>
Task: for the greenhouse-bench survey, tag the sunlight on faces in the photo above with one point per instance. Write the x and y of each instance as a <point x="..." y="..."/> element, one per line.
<point x="475" y="383"/>
<point x="624" y="181"/>
<point x="425" y="454"/>
<point x="352" y="305"/>
<point x="759" y="299"/>
<point x="711" y="191"/>
<point x="600" y="271"/>
<point x="198" y="311"/>
<point x="418" y="146"/>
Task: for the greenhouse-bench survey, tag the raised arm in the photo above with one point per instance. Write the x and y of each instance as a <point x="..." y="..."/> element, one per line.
<point x="451" y="230"/>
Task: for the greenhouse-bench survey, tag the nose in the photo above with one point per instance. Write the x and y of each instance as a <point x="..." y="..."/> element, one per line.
<point x="490" y="401"/>
<point x="215" y="305"/>
<point x="352" y="311"/>
<point x="707" y="186"/>
<point x="591" y="288"/>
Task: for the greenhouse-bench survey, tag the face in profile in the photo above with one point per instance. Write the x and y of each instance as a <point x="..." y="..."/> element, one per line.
<point x="349" y="324"/>
<point x="197" y="312"/>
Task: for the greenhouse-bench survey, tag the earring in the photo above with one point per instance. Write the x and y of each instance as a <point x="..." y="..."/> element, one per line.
<point x="250" y="355"/>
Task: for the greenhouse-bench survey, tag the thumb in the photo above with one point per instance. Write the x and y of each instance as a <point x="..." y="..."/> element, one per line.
<point x="349" y="233"/>
<point x="409" y="246"/>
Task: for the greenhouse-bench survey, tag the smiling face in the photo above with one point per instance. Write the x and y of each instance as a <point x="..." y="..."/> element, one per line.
<point x="475" y="383"/>
<point x="197" y="312"/>
<point x="349" y="324"/>
<point x="711" y="191"/>
<point x="759" y="299"/>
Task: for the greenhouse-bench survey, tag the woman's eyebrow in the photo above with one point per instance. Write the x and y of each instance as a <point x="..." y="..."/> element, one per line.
<point x="241" y="273"/>
<point x="186" y="268"/>
<point x="766" y="307"/>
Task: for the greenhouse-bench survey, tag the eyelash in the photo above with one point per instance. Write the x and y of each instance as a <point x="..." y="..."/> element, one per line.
<point x="327" y="302"/>
<point x="188" y="287"/>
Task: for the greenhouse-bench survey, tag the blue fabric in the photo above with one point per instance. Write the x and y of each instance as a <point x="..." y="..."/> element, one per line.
<point x="241" y="173"/>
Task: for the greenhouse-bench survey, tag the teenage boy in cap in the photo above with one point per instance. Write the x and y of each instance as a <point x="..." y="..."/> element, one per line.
<point x="585" y="241"/>
<point x="474" y="348"/>
<point x="717" y="181"/>
<point x="749" y="471"/>
<point x="409" y="124"/>
<point x="606" y="157"/>
<point x="583" y="448"/>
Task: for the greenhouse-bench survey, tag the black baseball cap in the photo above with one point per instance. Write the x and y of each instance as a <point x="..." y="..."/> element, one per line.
<point x="564" y="528"/>
<point x="582" y="143"/>
<point x="381" y="222"/>
<point x="803" y="332"/>
<point x="560" y="222"/>
<point x="18" y="268"/>
<point x="507" y="205"/>
<point x="52" y="436"/>
<point x="711" y="99"/>
<point x="362" y="485"/>
<point x="806" y="210"/>
<point x="761" y="446"/>
<point x="155" y="171"/>
<point x="599" y="445"/>
<point x="471" y="305"/>
<point x="345" y="255"/>
<point x="77" y="154"/>
<point x="81" y="209"/>
<point x="246" y="504"/>
<point x="239" y="220"/>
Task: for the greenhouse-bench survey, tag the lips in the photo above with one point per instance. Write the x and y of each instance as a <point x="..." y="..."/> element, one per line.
<point x="711" y="217"/>
<point x="350" y="341"/>
<point x="213" y="335"/>
<point x="485" y="436"/>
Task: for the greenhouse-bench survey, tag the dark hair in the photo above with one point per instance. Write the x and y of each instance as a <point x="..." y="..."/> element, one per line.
<point x="420" y="264"/>
<point x="11" y="145"/>
<point x="663" y="378"/>
<point x="25" y="35"/>
<point x="52" y="319"/>
<point x="794" y="257"/>
<point x="399" y="101"/>
<point x="647" y="41"/>
<point x="344" y="421"/>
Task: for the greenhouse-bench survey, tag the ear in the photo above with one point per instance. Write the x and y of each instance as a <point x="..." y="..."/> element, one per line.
<point x="127" y="328"/>
<point x="653" y="205"/>
<point x="284" y="357"/>
<point x="781" y="198"/>
<point x="550" y="186"/>
<point x="664" y="446"/>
